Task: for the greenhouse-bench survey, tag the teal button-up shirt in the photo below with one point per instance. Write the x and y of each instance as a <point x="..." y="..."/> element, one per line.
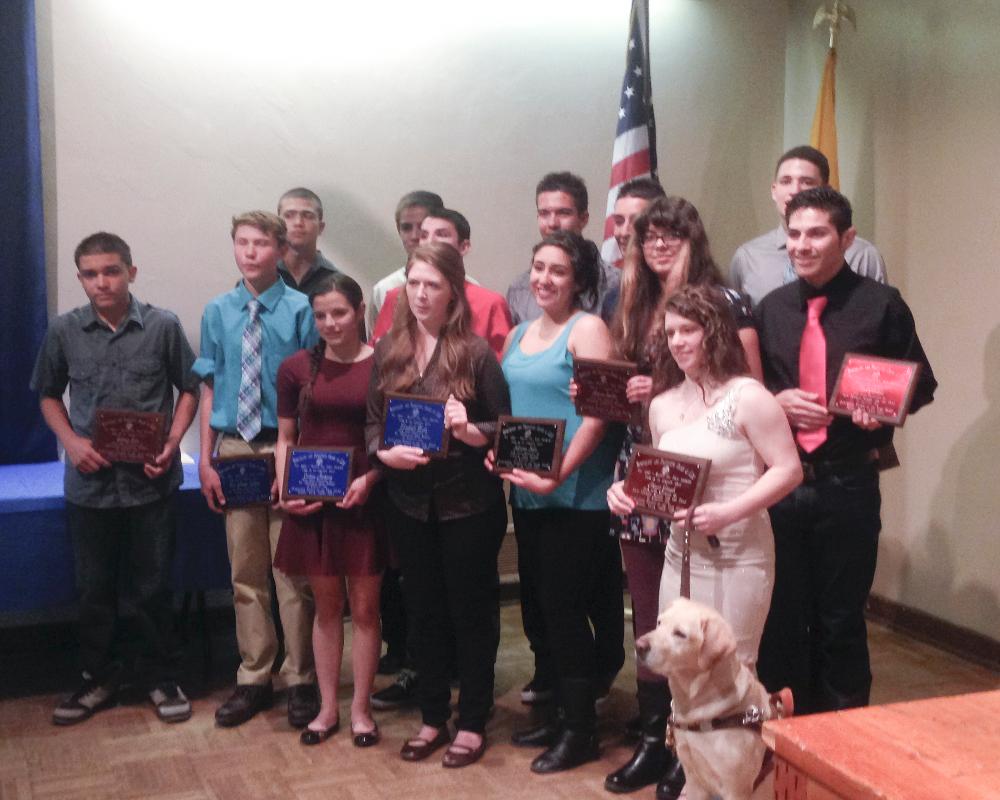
<point x="286" y="327"/>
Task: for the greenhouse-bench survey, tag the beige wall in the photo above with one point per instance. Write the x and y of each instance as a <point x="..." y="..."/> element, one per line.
<point x="162" y="120"/>
<point x="918" y="115"/>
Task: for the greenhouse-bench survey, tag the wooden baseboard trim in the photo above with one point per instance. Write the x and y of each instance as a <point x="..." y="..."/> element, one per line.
<point x="947" y="636"/>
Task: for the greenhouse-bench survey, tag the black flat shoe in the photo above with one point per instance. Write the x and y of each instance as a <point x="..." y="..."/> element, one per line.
<point x="366" y="738"/>
<point x="310" y="736"/>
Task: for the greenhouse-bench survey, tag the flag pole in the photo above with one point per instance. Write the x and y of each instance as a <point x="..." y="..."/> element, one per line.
<point x="823" y="135"/>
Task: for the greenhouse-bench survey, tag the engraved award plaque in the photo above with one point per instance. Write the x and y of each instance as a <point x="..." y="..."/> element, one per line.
<point x="662" y="483"/>
<point x="246" y="480"/>
<point x="532" y="444"/>
<point x="881" y="386"/>
<point x="600" y="389"/>
<point x="317" y="473"/>
<point x="134" y="437"/>
<point x="415" y="421"/>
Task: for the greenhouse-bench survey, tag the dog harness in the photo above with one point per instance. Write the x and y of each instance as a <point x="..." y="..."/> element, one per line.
<point x="779" y="705"/>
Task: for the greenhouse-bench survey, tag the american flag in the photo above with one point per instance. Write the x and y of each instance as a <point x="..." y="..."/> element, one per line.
<point x="634" y="152"/>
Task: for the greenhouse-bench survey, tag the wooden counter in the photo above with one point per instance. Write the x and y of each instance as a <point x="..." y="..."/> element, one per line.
<point x="945" y="748"/>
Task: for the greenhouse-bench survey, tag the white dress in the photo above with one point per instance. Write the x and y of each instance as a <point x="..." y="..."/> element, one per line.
<point x="737" y="577"/>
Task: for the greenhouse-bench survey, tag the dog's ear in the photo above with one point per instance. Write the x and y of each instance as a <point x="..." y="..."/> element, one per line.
<point x="717" y="641"/>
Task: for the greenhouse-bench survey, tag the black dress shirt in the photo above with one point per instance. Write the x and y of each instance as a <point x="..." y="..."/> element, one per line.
<point x="459" y="485"/>
<point x="861" y="316"/>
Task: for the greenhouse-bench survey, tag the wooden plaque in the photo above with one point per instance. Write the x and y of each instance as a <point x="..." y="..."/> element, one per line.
<point x="532" y="444"/>
<point x="317" y="473"/>
<point x="662" y="483"/>
<point x="134" y="437"/>
<point x="600" y="389"/>
<point x="415" y="421"/>
<point x="881" y="386"/>
<point x="246" y="480"/>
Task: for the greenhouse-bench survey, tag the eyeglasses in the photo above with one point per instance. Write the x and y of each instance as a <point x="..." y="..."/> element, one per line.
<point x="652" y="238"/>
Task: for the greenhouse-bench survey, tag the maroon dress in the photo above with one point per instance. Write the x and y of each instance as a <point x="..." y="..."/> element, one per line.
<point x="333" y="541"/>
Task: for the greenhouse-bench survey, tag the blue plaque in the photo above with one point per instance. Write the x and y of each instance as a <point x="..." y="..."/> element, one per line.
<point x="317" y="473"/>
<point x="415" y="421"/>
<point x="246" y="480"/>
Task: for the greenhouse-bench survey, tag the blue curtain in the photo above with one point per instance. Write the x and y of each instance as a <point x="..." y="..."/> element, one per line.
<point x="24" y="438"/>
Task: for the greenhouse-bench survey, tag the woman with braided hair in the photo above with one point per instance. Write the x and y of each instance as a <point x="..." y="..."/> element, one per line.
<point x="321" y="402"/>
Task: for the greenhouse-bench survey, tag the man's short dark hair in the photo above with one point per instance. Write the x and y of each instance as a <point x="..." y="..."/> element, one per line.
<point x="645" y="188"/>
<point x="101" y="243"/>
<point x="418" y="197"/>
<point x="462" y="227"/>
<point x="810" y="154"/>
<point x="302" y="193"/>
<point x="823" y="198"/>
<point x="567" y="182"/>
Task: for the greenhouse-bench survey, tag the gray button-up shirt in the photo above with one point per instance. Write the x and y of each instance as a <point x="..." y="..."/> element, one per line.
<point x="762" y="265"/>
<point x="321" y="268"/>
<point x="136" y="368"/>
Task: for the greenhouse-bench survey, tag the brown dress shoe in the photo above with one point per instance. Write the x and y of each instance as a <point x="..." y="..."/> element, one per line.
<point x="458" y="755"/>
<point x="418" y="749"/>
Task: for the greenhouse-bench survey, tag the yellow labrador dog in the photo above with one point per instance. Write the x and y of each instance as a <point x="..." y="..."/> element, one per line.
<point x="718" y="703"/>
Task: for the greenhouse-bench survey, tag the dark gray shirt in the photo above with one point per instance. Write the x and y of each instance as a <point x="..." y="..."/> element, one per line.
<point x="459" y="485"/>
<point x="321" y="268"/>
<point x="136" y="368"/>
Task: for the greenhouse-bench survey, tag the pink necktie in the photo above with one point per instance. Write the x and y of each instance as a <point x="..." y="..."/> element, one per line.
<point x="812" y="368"/>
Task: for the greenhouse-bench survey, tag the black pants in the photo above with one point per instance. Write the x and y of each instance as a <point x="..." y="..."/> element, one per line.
<point x="450" y="580"/>
<point x="826" y="543"/>
<point x="567" y="552"/>
<point x="130" y="548"/>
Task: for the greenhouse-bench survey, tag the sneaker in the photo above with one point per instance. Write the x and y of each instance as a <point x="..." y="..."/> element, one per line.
<point x="93" y="695"/>
<point x="400" y="694"/>
<point x="303" y="704"/>
<point x="243" y="704"/>
<point x="171" y="703"/>
<point x="390" y="663"/>
<point x="536" y="692"/>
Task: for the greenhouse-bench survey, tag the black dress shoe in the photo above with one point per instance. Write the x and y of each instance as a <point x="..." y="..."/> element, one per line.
<point x="671" y="785"/>
<point x="650" y="762"/>
<point x="303" y="704"/>
<point x="310" y="736"/>
<point x="543" y="735"/>
<point x="366" y="738"/>
<point x="243" y="704"/>
<point x="571" y="749"/>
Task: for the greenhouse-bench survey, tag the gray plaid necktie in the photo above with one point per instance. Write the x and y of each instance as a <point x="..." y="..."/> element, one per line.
<point x="248" y="405"/>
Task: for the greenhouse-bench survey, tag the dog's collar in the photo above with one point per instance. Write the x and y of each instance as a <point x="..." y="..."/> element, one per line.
<point x="778" y="705"/>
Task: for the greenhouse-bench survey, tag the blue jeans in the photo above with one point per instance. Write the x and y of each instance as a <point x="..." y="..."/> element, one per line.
<point x="826" y="543"/>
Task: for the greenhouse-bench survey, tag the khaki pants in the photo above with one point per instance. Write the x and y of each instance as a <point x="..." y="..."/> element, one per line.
<point x="252" y="537"/>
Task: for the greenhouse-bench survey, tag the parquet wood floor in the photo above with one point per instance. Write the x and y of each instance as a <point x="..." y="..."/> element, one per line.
<point x="125" y="752"/>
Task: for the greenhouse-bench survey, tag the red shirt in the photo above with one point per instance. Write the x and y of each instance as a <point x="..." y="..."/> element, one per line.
<point x="490" y="315"/>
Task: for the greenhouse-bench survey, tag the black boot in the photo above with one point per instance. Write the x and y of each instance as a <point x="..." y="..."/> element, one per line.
<point x="542" y="734"/>
<point x="576" y="742"/>
<point x="652" y="758"/>
<point x="671" y="785"/>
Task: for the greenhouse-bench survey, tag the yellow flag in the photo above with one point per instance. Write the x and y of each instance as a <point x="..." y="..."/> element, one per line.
<point x="824" y="129"/>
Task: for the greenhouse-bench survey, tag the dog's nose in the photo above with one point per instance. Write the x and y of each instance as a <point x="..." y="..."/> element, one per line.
<point x="641" y="646"/>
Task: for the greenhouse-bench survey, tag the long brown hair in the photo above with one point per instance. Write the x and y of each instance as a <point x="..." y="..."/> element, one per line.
<point x="724" y="354"/>
<point x="349" y="288"/>
<point x="641" y="298"/>
<point x="399" y="371"/>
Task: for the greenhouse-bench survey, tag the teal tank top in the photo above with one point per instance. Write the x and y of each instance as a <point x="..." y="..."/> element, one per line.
<point x="539" y="387"/>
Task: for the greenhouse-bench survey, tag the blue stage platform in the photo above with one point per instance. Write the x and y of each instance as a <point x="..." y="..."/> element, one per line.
<point x="36" y="556"/>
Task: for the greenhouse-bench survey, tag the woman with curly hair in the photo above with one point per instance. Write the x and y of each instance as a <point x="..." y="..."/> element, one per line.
<point x="668" y="251"/>
<point x="706" y="406"/>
